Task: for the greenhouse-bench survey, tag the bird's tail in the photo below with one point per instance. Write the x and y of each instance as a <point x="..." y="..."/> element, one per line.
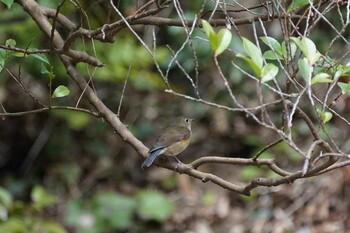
<point x="151" y="157"/>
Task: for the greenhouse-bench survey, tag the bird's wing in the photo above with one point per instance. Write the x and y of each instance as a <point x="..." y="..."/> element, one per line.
<point x="171" y="136"/>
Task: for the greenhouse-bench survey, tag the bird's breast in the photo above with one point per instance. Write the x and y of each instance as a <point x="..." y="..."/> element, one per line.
<point x="177" y="147"/>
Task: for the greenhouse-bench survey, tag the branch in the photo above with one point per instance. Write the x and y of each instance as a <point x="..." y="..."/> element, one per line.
<point x="70" y="57"/>
<point x="10" y="114"/>
<point x="37" y="13"/>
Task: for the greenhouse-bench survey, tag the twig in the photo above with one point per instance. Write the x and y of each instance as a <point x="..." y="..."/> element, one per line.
<point x="272" y="144"/>
<point x="122" y="95"/>
<point x="45" y="109"/>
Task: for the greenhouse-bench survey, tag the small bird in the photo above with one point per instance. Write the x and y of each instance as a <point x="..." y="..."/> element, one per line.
<point x="172" y="142"/>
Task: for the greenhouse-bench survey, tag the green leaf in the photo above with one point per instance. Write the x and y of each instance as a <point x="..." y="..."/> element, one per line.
<point x="41" y="57"/>
<point x="223" y="40"/>
<point x="2" y="58"/>
<point x="292" y="50"/>
<point x="5" y="198"/>
<point x="271" y="55"/>
<point x="253" y="52"/>
<point x="310" y="51"/>
<point x="338" y="73"/>
<point x="308" y="48"/>
<point x="297" y="41"/>
<point x="268" y="72"/>
<point x="272" y="43"/>
<point x="8" y="3"/>
<point x="213" y="40"/>
<point x="252" y="64"/>
<point x="3" y="53"/>
<point x="41" y="198"/>
<point x="60" y="91"/>
<point x="45" y="71"/>
<point x="344" y="87"/>
<point x="207" y="28"/>
<point x="325" y="116"/>
<point x="296" y="4"/>
<point x="321" y="78"/>
<point x="346" y="68"/>
<point x="114" y="210"/>
<point x="304" y="68"/>
<point x="10" y="43"/>
<point x="5" y="204"/>
<point x="154" y="205"/>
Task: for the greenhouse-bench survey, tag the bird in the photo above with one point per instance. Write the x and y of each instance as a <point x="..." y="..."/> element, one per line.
<point x="172" y="142"/>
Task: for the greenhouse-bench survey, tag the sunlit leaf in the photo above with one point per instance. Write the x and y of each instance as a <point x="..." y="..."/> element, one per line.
<point x="344" y="87"/>
<point x="271" y="55"/>
<point x="325" y="116"/>
<point x="213" y="41"/>
<point x="346" y="68"/>
<point x="272" y="43"/>
<point x="297" y="41"/>
<point x="8" y="3"/>
<point x="212" y="37"/>
<point x="251" y="63"/>
<point x="304" y="68"/>
<point x="208" y="29"/>
<point x="253" y="52"/>
<point x="268" y="72"/>
<point x="321" y="78"/>
<point x="10" y="43"/>
<point x="223" y="40"/>
<point x="296" y="4"/>
<point x="338" y="73"/>
<point x="292" y="50"/>
<point x="60" y="91"/>
<point x="2" y="58"/>
<point x="308" y="48"/>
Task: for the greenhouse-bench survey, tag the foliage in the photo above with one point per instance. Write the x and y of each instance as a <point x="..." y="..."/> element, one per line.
<point x="218" y="42"/>
<point x="19" y="217"/>
<point x="108" y="211"/>
<point x="267" y="83"/>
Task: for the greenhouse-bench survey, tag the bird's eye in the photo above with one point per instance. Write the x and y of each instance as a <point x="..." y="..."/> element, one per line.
<point x="187" y="120"/>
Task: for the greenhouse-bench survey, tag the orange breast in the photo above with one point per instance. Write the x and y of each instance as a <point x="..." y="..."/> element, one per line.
<point x="177" y="147"/>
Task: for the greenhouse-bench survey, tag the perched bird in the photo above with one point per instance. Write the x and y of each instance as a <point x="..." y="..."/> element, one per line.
<point x="173" y="141"/>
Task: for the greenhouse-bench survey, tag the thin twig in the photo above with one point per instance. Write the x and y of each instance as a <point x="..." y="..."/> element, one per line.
<point x="122" y="95"/>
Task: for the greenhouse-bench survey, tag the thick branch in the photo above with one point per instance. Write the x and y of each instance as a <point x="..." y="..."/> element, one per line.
<point x="102" y="109"/>
<point x="37" y="13"/>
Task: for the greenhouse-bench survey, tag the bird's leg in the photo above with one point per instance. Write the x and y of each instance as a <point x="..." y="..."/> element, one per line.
<point x="177" y="159"/>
